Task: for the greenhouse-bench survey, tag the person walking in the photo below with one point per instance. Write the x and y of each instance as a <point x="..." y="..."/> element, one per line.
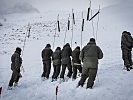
<point x="76" y="62"/>
<point x="56" y="58"/>
<point x="66" y="61"/>
<point x="46" y="58"/>
<point x="15" y="67"/>
<point x="126" y="47"/>
<point x="89" y="56"/>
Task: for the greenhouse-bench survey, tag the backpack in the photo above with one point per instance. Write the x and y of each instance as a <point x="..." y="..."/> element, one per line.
<point x="56" y="55"/>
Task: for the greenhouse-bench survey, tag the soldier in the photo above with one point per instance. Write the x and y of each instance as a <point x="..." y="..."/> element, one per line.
<point x="89" y="56"/>
<point x="126" y="47"/>
<point x="66" y="61"/>
<point x="46" y="58"/>
<point x="56" y="57"/>
<point x="76" y="62"/>
<point x="15" y="67"/>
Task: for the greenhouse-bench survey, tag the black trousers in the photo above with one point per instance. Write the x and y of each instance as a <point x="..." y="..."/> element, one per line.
<point x="69" y="66"/>
<point x="46" y="68"/>
<point x="89" y="73"/>
<point x="14" y="78"/>
<point x="127" y="57"/>
<point x="75" y="68"/>
<point x="56" y="71"/>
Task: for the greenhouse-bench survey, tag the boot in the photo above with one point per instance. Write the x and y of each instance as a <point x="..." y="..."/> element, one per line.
<point x="127" y="67"/>
<point x="89" y="87"/>
<point x="10" y="88"/>
<point x="131" y="67"/>
<point x="15" y="84"/>
<point x="54" y="79"/>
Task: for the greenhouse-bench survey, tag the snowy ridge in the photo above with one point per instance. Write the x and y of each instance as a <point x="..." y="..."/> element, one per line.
<point x="19" y="7"/>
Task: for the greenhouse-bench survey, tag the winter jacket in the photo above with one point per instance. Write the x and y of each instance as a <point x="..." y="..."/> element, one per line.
<point x="90" y="55"/>
<point x="66" y="53"/>
<point x="16" y="61"/>
<point x="56" y="57"/>
<point x="75" y="56"/>
<point x="46" y="54"/>
<point x="126" y="41"/>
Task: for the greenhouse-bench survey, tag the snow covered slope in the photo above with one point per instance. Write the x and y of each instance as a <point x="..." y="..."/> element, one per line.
<point x="112" y="82"/>
<point x="18" y="7"/>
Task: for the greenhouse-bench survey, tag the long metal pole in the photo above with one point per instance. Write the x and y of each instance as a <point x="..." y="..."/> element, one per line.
<point x="72" y="29"/>
<point x="55" y="30"/>
<point x="65" y="37"/>
<point x="81" y="30"/>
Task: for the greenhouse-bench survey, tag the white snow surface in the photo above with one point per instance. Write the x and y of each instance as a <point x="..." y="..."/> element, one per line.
<point x="112" y="82"/>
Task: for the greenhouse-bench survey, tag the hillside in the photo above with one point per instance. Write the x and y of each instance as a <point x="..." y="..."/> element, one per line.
<point x="112" y="82"/>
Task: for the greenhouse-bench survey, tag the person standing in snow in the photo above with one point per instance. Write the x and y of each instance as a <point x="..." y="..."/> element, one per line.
<point x="76" y="62"/>
<point x="15" y="67"/>
<point x="46" y="58"/>
<point x="66" y="61"/>
<point x="89" y="56"/>
<point x="126" y="47"/>
<point x="56" y="58"/>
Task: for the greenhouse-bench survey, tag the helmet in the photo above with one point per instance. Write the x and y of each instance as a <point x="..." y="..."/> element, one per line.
<point x="18" y="49"/>
<point x="58" y="48"/>
<point x="78" y="47"/>
<point x="92" y="40"/>
<point x="48" y="45"/>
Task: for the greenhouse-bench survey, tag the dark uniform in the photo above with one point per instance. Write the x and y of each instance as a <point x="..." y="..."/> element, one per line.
<point x="66" y="60"/>
<point x="46" y="58"/>
<point x="89" y="56"/>
<point x="56" y="57"/>
<point x="126" y="47"/>
<point x="15" y="67"/>
<point x="76" y="62"/>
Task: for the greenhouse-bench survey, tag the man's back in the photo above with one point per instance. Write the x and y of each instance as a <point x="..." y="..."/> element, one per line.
<point x="90" y="55"/>
<point x="126" y="41"/>
<point x="46" y="54"/>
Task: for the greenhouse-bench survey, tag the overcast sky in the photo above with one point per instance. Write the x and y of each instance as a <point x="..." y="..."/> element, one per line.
<point x="43" y="5"/>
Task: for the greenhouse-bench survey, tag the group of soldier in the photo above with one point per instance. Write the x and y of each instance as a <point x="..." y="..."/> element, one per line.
<point x="61" y="59"/>
<point x="89" y="55"/>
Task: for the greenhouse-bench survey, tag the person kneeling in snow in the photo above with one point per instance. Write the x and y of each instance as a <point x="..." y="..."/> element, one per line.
<point x="89" y="56"/>
<point x="15" y="67"/>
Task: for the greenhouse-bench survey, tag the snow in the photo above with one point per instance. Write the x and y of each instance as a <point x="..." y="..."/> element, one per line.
<point x="112" y="82"/>
<point x="16" y="6"/>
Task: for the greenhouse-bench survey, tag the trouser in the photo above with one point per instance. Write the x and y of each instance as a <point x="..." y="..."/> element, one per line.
<point x="69" y="66"/>
<point x="14" y="78"/>
<point x="127" y="57"/>
<point x="88" y="72"/>
<point x="46" y="68"/>
<point x="75" y="68"/>
<point x="56" y="71"/>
